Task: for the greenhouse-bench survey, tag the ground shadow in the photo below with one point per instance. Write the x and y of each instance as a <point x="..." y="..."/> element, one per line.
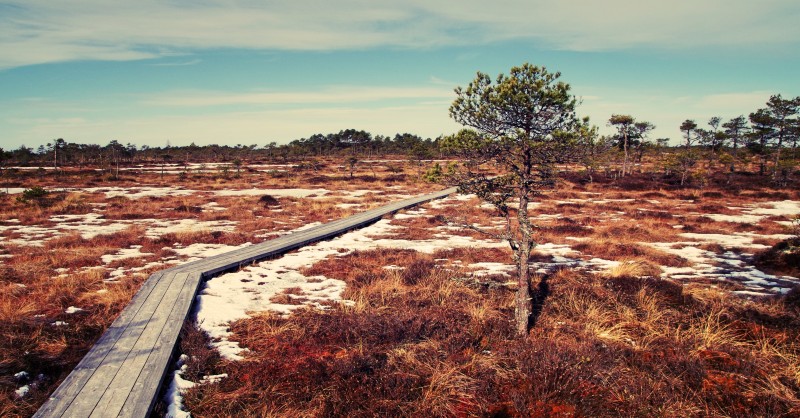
<point x="538" y="296"/>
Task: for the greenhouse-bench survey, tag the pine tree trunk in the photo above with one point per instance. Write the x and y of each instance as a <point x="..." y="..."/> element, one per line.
<point x="522" y="301"/>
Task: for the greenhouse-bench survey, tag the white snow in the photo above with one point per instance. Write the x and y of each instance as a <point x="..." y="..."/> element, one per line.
<point x="213" y="207"/>
<point x="22" y="391"/>
<point x="73" y="310"/>
<point x="728" y="266"/>
<point x="91" y="225"/>
<point x="744" y="219"/>
<point x="174" y="396"/>
<point x="133" y="251"/>
<point x="199" y="251"/>
<point x="491" y="268"/>
<point x="782" y="208"/>
<point x="138" y="192"/>
<point x="232" y="296"/>
<point x="299" y="193"/>
<point x="725" y="240"/>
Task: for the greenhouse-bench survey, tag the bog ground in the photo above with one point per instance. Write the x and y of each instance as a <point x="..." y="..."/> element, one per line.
<point x="651" y="298"/>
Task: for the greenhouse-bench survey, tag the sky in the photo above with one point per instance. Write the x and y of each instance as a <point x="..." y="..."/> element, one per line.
<point x="253" y="72"/>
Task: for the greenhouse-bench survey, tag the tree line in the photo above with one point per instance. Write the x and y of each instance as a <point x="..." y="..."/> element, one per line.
<point x="766" y="140"/>
<point x="348" y="142"/>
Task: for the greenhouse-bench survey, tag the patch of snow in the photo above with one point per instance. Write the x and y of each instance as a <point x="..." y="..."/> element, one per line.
<point x="134" y="251"/>
<point x="393" y="267"/>
<point x="728" y="266"/>
<point x="299" y="193"/>
<point x="750" y="293"/>
<point x="725" y="240"/>
<point x="174" y="396"/>
<point x="782" y="208"/>
<point x="23" y="391"/>
<point x="213" y="207"/>
<point x="199" y="251"/>
<point x="138" y="192"/>
<point x="59" y="324"/>
<point x="73" y="310"/>
<point x="358" y="193"/>
<point x="491" y="268"/>
<point x="743" y="219"/>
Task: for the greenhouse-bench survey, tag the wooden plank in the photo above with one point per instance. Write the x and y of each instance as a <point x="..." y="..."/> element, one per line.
<point x="90" y="394"/>
<point x="144" y="393"/>
<point x="66" y="392"/>
<point x="119" y="388"/>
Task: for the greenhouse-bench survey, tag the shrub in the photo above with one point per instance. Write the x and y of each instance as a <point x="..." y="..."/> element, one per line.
<point x="36" y="194"/>
<point x="268" y="201"/>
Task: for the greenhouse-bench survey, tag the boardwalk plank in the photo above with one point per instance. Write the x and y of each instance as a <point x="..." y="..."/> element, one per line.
<point x="61" y="399"/>
<point x="90" y="394"/>
<point x="141" y="401"/>
<point x="120" y="386"/>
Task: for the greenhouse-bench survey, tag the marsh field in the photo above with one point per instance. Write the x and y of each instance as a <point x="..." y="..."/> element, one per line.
<point x="651" y="298"/>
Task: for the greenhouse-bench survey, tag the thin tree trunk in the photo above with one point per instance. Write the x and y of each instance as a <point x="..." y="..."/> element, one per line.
<point x="523" y="301"/>
<point x="625" y="147"/>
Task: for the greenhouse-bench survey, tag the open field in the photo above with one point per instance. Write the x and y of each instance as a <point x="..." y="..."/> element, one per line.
<point x="651" y="299"/>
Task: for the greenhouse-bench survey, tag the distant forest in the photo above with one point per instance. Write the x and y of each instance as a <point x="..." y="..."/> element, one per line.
<point x="62" y="153"/>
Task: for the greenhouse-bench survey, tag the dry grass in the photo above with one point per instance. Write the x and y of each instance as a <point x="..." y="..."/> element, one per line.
<point x="421" y="340"/>
<point x="38" y="283"/>
<point x="424" y="343"/>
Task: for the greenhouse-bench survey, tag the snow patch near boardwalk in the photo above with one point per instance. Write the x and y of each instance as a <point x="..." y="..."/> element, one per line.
<point x="782" y="208"/>
<point x="234" y="296"/>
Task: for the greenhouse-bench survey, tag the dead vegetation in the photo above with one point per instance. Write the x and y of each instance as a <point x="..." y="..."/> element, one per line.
<point x="43" y="275"/>
<point x="420" y="338"/>
<point x="419" y="342"/>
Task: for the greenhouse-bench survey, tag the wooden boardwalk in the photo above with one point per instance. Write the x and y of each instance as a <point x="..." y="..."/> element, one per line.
<point x="123" y="372"/>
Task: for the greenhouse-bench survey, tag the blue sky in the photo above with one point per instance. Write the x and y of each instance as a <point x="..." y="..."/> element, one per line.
<point x="252" y="72"/>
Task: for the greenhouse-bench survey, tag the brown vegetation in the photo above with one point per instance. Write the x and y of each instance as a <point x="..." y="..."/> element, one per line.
<point x="420" y="343"/>
<point x="428" y="337"/>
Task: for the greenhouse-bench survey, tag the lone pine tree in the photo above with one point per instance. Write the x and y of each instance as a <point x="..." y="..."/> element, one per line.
<point x="524" y="124"/>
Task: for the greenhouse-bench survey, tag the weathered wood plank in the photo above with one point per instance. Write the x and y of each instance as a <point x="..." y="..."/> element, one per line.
<point x="142" y="399"/>
<point x="90" y="394"/>
<point x="61" y="399"/>
<point x="119" y="388"/>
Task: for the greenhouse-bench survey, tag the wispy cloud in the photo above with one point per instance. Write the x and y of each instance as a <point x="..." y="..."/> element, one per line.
<point x="42" y="31"/>
<point x="177" y="64"/>
<point x="329" y="95"/>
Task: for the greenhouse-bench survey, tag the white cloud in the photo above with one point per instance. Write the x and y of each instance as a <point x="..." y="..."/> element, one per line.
<point x="286" y="115"/>
<point x="328" y="95"/>
<point x="41" y="31"/>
